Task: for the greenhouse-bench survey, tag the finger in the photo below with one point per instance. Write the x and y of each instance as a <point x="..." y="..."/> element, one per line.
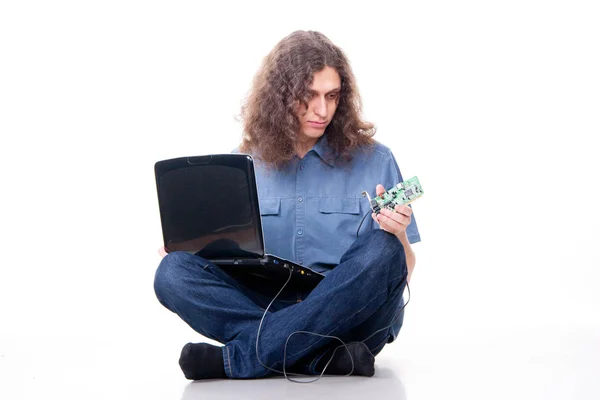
<point x="162" y="252"/>
<point x="391" y="217"/>
<point x="379" y="190"/>
<point x="376" y="219"/>
<point x="398" y="218"/>
<point x="403" y="209"/>
<point x="395" y="215"/>
<point x="389" y="224"/>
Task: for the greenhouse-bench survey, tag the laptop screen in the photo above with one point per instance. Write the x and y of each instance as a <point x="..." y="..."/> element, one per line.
<point x="209" y="206"/>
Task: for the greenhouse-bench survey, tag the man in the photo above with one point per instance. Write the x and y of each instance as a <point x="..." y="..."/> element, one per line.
<point x="313" y="157"/>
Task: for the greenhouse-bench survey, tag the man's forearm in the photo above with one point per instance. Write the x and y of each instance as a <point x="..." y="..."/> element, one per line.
<point x="409" y="253"/>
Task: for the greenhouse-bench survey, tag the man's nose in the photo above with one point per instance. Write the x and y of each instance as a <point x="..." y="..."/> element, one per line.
<point x="321" y="107"/>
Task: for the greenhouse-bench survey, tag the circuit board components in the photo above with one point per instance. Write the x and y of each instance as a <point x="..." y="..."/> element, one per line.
<point x="403" y="193"/>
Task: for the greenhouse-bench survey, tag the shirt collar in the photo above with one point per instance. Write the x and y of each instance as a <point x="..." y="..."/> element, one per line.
<point x="323" y="150"/>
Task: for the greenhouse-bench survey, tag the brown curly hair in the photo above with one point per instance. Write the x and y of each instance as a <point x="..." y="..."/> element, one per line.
<point x="271" y="126"/>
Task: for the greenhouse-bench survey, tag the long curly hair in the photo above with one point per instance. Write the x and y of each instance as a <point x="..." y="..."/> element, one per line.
<point x="271" y="125"/>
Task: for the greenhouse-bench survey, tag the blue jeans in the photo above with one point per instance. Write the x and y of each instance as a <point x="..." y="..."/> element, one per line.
<point x="358" y="297"/>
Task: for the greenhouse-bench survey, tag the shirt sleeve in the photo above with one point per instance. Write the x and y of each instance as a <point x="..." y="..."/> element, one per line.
<point x="391" y="177"/>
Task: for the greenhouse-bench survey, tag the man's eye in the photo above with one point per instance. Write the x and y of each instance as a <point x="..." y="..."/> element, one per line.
<point x="333" y="95"/>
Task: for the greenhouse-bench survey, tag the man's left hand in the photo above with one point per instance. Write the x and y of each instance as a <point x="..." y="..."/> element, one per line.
<point x="394" y="222"/>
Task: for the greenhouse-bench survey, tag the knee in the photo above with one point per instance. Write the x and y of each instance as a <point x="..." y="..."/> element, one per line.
<point x="388" y="253"/>
<point x="168" y="276"/>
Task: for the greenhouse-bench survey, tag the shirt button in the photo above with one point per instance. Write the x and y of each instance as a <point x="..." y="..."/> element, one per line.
<point x="300" y="232"/>
<point x="301" y="166"/>
<point x="299" y="199"/>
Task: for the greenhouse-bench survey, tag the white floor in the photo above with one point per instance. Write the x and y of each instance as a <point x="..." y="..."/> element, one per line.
<point x="549" y="363"/>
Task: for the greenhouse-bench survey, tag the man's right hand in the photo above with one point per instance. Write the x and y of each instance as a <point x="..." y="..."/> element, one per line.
<point x="162" y="252"/>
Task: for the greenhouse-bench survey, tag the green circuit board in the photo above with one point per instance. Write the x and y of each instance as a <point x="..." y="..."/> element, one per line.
<point x="403" y="193"/>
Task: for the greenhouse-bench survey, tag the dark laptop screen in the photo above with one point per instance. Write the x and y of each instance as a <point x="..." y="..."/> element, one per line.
<point x="209" y="205"/>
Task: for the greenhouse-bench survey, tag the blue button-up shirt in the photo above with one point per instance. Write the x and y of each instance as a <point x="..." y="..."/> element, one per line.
<point x="312" y="208"/>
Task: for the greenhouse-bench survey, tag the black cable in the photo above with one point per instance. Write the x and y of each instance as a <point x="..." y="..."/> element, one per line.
<point x="361" y="222"/>
<point x="286" y="343"/>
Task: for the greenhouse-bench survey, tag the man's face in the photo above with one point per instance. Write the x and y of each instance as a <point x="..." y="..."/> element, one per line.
<point x="324" y="94"/>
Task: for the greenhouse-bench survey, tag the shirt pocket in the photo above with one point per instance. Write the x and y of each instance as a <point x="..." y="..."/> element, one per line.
<point x="339" y="219"/>
<point x="341" y="205"/>
<point x="270" y="206"/>
<point x="273" y="225"/>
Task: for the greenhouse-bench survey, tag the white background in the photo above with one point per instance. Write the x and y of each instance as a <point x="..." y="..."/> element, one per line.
<point x="493" y="105"/>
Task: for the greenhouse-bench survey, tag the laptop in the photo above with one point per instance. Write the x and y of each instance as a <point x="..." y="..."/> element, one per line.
<point x="209" y="207"/>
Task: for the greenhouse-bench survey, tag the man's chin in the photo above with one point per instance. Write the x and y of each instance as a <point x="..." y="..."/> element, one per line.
<point x="314" y="133"/>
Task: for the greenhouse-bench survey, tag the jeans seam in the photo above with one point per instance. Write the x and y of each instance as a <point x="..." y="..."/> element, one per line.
<point x="228" y="364"/>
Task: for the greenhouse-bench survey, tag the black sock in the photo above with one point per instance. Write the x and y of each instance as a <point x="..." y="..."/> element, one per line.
<point x="202" y="361"/>
<point x="341" y="364"/>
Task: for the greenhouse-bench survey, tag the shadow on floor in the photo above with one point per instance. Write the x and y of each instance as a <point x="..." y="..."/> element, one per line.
<point x="385" y="383"/>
